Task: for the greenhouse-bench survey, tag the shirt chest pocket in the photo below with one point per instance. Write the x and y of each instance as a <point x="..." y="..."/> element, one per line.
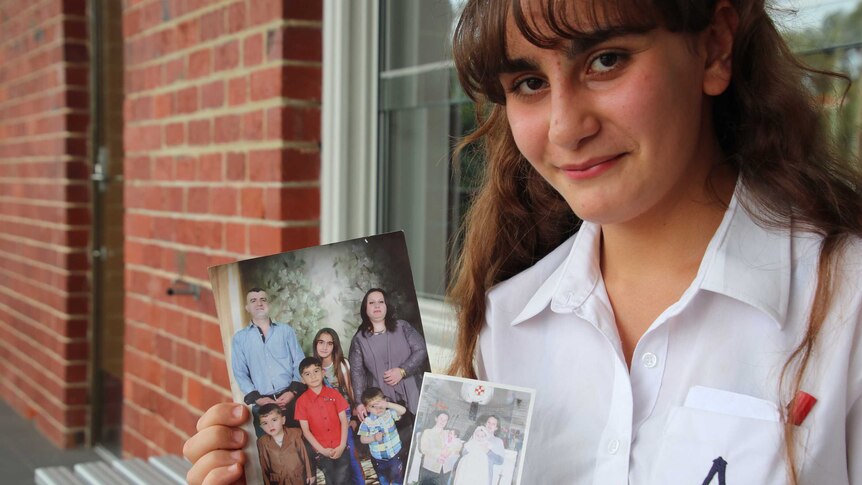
<point x="278" y="350"/>
<point x="700" y="444"/>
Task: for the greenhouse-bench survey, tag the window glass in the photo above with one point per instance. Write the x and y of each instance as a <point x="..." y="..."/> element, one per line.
<point x="422" y="112"/>
<point x="827" y="35"/>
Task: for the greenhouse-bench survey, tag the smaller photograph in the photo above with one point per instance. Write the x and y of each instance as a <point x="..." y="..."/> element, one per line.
<point x="469" y="432"/>
<point x="325" y="346"/>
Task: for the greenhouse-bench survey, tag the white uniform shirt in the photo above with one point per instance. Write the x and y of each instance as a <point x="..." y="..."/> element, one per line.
<point x="704" y="377"/>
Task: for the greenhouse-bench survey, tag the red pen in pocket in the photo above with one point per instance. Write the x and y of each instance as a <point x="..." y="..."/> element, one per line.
<point x="800" y="407"/>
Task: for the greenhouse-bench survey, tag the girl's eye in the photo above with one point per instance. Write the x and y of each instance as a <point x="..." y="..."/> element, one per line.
<point x="605" y="62"/>
<point x="528" y="86"/>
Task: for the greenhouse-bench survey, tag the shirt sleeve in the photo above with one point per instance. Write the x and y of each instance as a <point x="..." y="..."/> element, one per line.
<point x="357" y="367"/>
<point x="296" y="352"/>
<point x="418" y="350"/>
<point x="364" y="429"/>
<point x="299" y="413"/>
<point x="239" y="364"/>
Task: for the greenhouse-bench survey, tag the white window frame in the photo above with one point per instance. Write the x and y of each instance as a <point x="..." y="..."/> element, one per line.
<point x="349" y="147"/>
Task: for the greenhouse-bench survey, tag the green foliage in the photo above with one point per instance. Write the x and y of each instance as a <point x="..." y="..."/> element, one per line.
<point x="836" y="46"/>
<point x="293" y="297"/>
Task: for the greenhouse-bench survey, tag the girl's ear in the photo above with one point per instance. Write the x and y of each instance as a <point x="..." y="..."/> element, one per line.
<point x="718" y="44"/>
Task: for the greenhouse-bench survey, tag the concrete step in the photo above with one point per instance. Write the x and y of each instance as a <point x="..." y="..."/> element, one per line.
<point x="159" y="470"/>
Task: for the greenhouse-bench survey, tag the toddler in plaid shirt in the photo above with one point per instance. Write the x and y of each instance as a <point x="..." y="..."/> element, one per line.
<point x="379" y="433"/>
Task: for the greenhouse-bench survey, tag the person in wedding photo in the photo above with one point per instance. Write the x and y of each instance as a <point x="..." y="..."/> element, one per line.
<point x="431" y="445"/>
<point x="474" y="467"/>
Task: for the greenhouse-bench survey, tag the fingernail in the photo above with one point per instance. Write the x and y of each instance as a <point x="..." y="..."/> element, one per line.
<point x="236" y="455"/>
<point x="237" y="411"/>
<point x="237" y="435"/>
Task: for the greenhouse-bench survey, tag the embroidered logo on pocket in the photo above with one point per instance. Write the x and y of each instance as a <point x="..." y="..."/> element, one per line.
<point x="718" y="468"/>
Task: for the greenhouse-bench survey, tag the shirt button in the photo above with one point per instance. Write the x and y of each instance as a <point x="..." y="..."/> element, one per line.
<point x="649" y="360"/>
<point x="613" y="446"/>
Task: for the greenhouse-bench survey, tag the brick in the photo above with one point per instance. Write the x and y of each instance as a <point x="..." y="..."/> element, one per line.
<point x="236" y="19"/>
<point x="174" y="71"/>
<point x="237" y="91"/>
<point x="163" y="105"/>
<point x="212" y="25"/>
<point x="228" y="128"/>
<point x="236" y="238"/>
<point x="305" y="10"/>
<point x="265" y="84"/>
<point x="198" y="200"/>
<point x="200" y="63"/>
<point x="252" y="126"/>
<point x="295" y="203"/>
<point x="226" y="56"/>
<point x="185" y="168"/>
<point x="213" y="94"/>
<point x="210" y="167"/>
<point x="186" y="100"/>
<point x="163" y="168"/>
<point x="301" y="44"/>
<point x="235" y="166"/>
<point x="301" y="82"/>
<point x="175" y="134"/>
<point x="252" y="50"/>
<point x="251" y="202"/>
<point x="291" y="123"/>
<point x="223" y="201"/>
<point x="265" y="240"/>
<point x="199" y="132"/>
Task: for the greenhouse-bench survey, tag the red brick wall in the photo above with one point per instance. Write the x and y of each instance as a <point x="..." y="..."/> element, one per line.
<point x="222" y="124"/>
<point x="44" y="214"/>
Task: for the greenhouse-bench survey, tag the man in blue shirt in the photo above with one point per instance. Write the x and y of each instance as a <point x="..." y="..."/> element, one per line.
<point x="265" y="358"/>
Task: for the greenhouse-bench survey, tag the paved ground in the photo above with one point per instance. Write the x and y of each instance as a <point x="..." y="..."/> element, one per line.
<point x="23" y="449"/>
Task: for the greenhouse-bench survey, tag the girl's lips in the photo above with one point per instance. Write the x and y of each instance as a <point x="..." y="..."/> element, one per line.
<point x="591" y="168"/>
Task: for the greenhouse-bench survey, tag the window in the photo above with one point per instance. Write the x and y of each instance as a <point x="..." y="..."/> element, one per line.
<point x="392" y="113"/>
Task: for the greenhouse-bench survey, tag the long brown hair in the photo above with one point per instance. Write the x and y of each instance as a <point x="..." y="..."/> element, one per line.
<point x="768" y="125"/>
<point x="338" y="362"/>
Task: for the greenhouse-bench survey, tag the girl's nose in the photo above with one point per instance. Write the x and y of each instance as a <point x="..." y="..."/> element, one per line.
<point x="572" y="118"/>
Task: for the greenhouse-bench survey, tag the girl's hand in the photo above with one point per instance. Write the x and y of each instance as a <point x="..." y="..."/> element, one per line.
<point x="216" y="450"/>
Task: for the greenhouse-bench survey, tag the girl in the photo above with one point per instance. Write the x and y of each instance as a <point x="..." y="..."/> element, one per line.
<point x="327" y="348"/>
<point x="710" y="293"/>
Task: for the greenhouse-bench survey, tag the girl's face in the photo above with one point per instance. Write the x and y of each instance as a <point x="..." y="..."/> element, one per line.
<point x="375" y="307"/>
<point x="324" y="346"/>
<point x="620" y="127"/>
<point x="441" y="420"/>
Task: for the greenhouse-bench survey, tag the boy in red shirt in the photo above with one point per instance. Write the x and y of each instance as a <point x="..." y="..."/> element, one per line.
<point x="322" y="415"/>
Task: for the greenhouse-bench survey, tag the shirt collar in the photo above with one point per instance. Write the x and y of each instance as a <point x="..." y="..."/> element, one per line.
<point x="743" y="261"/>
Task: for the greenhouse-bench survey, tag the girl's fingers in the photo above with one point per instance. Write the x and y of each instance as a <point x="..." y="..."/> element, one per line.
<point x="224" y="414"/>
<point x="213" y="438"/>
<point x="219" y="467"/>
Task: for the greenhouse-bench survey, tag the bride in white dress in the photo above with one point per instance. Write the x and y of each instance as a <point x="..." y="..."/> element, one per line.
<point x="473" y="467"/>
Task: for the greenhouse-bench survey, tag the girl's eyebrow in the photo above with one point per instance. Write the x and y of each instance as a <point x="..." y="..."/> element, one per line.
<point x="582" y="43"/>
